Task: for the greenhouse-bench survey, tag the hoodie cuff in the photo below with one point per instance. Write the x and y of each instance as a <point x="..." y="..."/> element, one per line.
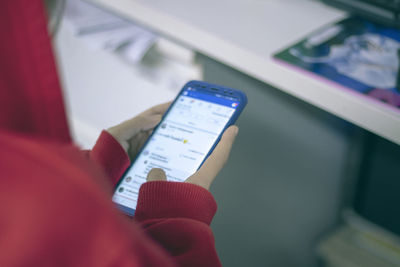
<point x="111" y="156"/>
<point x="162" y="199"/>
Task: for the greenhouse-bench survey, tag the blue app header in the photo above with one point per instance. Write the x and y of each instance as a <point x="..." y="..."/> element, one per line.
<point x="213" y="98"/>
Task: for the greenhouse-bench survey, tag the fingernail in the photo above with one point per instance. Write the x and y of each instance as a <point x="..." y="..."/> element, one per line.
<point x="156" y="174"/>
<point x="236" y="130"/>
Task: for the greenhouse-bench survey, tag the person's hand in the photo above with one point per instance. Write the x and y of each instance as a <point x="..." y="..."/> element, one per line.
<point x="211" y="167"/>
<point x="133" y="133"/>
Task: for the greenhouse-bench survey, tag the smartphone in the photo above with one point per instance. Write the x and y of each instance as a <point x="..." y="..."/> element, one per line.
<point x="185" y="137"/>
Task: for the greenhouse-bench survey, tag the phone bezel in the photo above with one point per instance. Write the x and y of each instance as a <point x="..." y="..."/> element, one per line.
<point x="199" y="86"/>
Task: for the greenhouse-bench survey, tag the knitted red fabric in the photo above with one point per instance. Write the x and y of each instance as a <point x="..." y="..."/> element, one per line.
<point x="56" y="207"/>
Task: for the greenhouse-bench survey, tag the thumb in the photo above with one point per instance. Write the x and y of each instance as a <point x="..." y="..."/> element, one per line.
<point x="156" y="174"/>
<point x="213" y="165"/>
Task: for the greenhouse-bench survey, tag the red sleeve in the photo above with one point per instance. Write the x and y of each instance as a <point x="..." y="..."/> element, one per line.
<point x="177" y="216"/>
<point x="174" y="215"/>
<point x="110" y="155"/>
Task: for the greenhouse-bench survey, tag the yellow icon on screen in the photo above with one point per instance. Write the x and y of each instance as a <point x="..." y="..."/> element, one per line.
<point x="185" y="141"/>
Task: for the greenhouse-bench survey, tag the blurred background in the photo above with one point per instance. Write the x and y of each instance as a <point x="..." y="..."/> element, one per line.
<point x="314" y="176"/>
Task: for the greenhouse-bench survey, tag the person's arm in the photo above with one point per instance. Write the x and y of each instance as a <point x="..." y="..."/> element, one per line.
<point x="177" y="215"/>
<point x="174" y="215"/>
<point x="118" y="145"/>
<point x="110" y="155"/>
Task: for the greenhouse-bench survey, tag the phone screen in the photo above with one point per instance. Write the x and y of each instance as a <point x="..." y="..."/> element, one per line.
<point x="180" y="143"/>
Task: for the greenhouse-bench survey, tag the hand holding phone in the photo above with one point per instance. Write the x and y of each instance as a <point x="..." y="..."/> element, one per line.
<point x="133" y="133"/>
<point x="211" y="167"/>
<point x="187" y="134"/>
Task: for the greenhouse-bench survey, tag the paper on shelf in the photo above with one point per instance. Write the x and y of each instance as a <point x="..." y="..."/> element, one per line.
<point x="137" y="47"/>
<point x="103" y="30"/>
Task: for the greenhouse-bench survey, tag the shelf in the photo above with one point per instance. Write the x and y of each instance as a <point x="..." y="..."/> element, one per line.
<point x="244" y="34"/>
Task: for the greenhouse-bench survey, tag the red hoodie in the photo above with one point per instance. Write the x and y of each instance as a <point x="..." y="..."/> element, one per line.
<point x="55" y="200"/>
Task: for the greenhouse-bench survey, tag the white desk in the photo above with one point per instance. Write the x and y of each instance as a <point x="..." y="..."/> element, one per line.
<point x="244" y="34"/>
<point x="100" y="90"/>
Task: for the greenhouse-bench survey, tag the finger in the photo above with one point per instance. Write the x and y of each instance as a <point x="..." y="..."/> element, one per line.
<point x="149" y="122"/>
<point x="134" y="145"/>
<point x="220" y="155"/>
<point x="156" y="175"/>
<point x="143" y="138"/>
<point x="148" y="119"/>
<point x="131" y="127"/>
<point x="213" y="165"/>
<point x="137" y="142"/>
<point x="159" y="109"/>
<point x="142" y="122"/>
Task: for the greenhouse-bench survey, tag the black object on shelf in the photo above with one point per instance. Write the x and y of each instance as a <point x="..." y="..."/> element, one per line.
<point x="384" y="11"/>
<point x="377" y="197"/>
